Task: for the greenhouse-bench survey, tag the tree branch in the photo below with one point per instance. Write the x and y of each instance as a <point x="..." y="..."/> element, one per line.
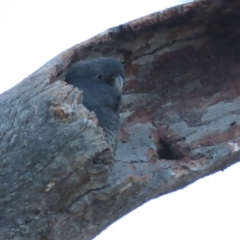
<point x="179" y="123"/>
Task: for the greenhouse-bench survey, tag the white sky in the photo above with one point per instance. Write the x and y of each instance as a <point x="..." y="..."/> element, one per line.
<point x="34" y="31"/>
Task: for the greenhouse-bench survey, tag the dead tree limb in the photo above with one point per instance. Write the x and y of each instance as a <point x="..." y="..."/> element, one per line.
<point x="180" y="122"/>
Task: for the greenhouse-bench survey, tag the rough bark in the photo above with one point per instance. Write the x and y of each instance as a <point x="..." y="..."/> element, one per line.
<point x="180" y="122"/>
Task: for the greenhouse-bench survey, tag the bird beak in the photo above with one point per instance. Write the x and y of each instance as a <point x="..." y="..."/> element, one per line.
<point x="118" y="83"/>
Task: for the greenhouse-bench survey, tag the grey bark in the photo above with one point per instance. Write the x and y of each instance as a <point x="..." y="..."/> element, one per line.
<point x="179" y="123"/>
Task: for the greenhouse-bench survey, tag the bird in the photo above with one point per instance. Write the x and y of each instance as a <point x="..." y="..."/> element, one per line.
<point x="101" y="80"/>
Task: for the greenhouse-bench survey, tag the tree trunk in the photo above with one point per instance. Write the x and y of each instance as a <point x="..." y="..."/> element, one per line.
<point x="179" y="123"/>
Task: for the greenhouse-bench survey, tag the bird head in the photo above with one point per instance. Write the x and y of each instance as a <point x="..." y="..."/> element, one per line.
<point x="102" y="71"/>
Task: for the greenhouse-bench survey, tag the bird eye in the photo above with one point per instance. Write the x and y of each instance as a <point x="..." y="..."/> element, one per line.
<point x="99" y="75"/>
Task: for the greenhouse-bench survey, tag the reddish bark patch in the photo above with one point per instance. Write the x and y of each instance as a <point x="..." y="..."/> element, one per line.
<point x="61" y="113"/>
